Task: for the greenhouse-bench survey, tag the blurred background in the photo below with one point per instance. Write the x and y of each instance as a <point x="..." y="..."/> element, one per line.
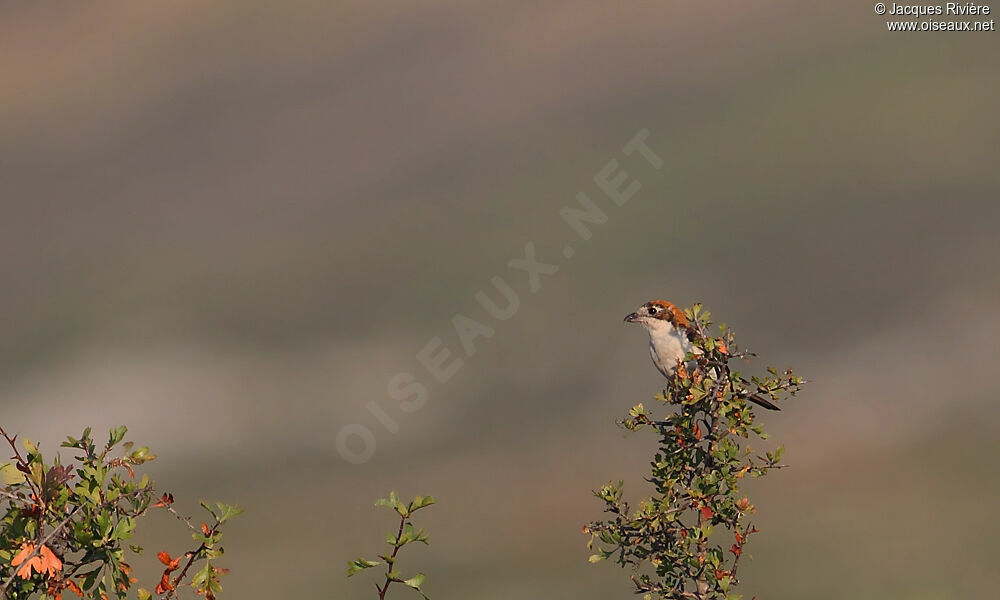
<point x="229" y="224"/>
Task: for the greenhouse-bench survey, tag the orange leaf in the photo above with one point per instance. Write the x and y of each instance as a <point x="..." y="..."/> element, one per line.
<point x="165" y="500"/>
<point x="706" y="513"/>
<point x="26" y="549"/>
<point x="172" y="563"/>
<point x="74" y="588"/>
<point x="45" y="561"/>
<point x="164" y="584"/>
<point x="205" y="529"/>
<point x="736" y="550"/>
<point x="50" y="562"/>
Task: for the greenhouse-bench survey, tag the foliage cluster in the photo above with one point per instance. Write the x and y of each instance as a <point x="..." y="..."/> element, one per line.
<point x="66" y="527"/>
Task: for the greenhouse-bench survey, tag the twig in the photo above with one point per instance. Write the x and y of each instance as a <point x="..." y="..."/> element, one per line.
<point x="183" y="519"/>
<point x="392" y="559"/>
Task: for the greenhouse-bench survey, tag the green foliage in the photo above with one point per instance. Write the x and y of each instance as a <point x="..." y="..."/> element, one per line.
<point x="686" y="541"/>
<point x="67" y="527"/>
<point x="405" y="534"/>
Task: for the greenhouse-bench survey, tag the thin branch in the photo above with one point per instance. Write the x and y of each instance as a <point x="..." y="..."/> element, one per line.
<point x="390" y="562"/>
<point x="183" y="519"/>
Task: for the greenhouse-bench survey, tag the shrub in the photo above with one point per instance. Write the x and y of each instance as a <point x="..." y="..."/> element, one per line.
<point x="686" y="540"/>
<point x="405" y="534"/>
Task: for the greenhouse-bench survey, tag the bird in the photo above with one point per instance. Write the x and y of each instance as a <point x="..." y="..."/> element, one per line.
<point x="671" y="338"/>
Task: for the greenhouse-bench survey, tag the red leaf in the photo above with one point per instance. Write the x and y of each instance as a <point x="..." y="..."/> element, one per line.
<point x="706" y="513"/>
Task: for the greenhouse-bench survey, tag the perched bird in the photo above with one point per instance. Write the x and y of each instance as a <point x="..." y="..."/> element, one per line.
<point x="670" y="339"/>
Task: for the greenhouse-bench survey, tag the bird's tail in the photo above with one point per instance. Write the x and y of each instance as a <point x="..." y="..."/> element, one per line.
<point x="760" y="401"/>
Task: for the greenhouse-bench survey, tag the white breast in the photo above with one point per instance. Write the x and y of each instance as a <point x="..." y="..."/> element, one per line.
<point x="667" y="346"/>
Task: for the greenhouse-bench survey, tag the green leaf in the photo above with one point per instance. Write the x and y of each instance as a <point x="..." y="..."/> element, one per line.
<point x="144" y="594"/>
<point x="117" y="434"/>
<point x="394" y="503"/>
<point x="778" y="452"/>
<point x="227" y="512"/>
<point x="416" y="581"/>
<point x="202" y="576"/>
<point x="421" y="502"/>
<point x="91" y="578"/>
<point x="124" y="528"/>
<point x="360" y="564"/>
<point x="142" y="455"/>
<point x="594" y="558"/>
<point x="10" y="474"/>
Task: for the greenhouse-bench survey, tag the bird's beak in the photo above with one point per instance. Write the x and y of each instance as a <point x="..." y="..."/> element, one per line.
<point x="632" y="318"/>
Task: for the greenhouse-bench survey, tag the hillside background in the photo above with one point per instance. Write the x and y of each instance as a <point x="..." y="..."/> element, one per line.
<point x="228" y="225"/>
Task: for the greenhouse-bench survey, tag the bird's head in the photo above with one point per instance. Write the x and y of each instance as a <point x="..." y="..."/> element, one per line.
<point x="657" y="314"/>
